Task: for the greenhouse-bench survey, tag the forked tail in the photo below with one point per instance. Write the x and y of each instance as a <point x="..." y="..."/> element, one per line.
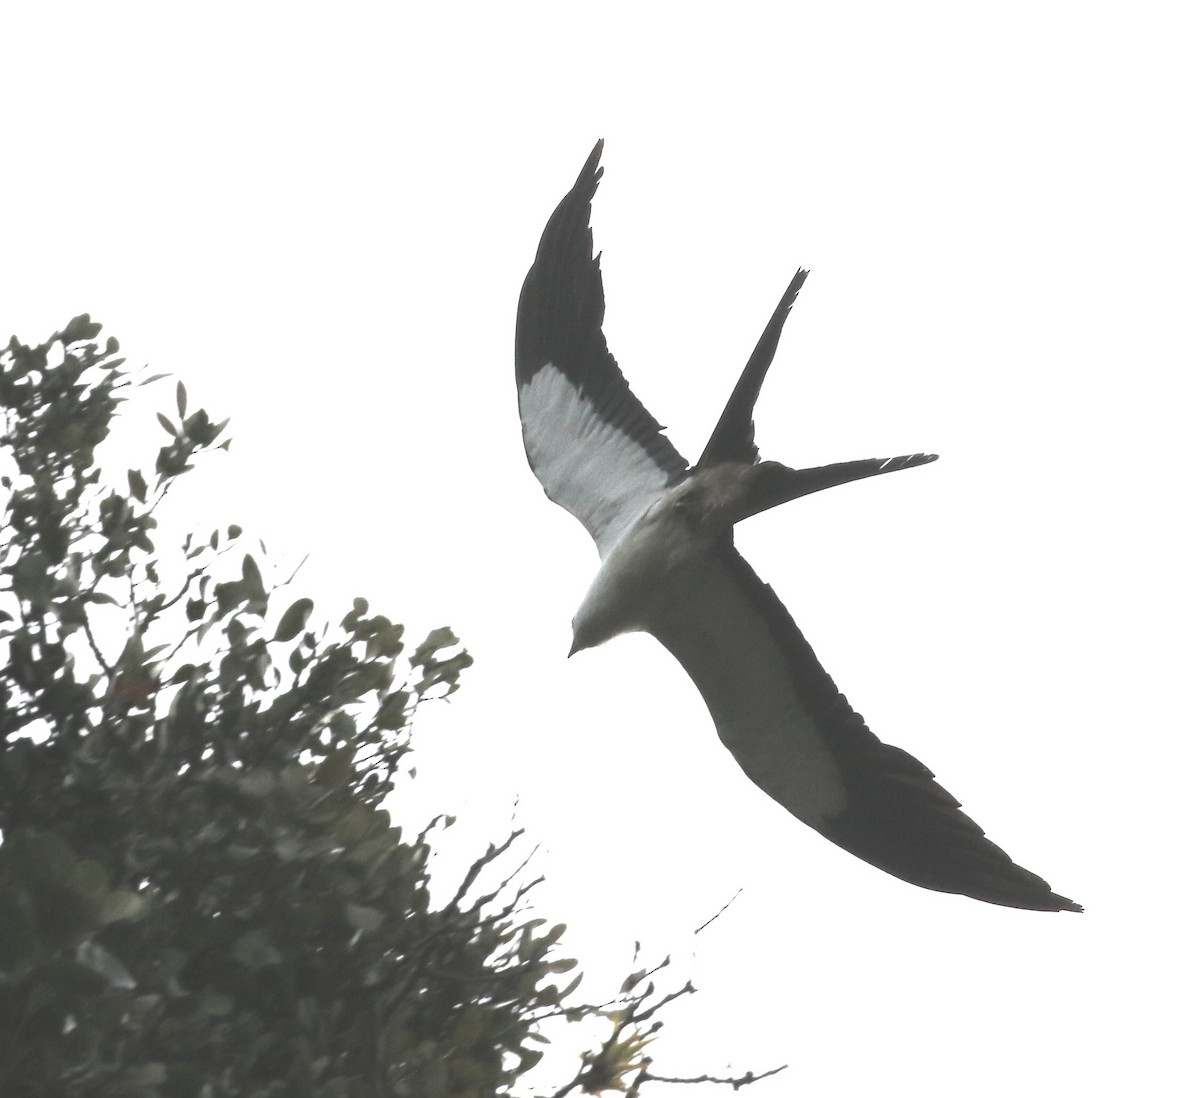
<point x="772" y="483"/>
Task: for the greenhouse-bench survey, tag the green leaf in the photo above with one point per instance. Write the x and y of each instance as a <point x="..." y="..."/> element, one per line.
<point x="528" y="1058"/>
<point x="632" y="980"/>
<point x="393" y="713"/>
<point x="229" y="595"/>
<point x="81" y="328"/>
<point x="437" y="640"/>
<point x="337" y="768"/>
<point x="342" y="725"/>
<point x="168" y="426"/>
<point x="181" y="399"/>
<point x="253" y="580"/>
<point x="137" y="485"/>
<point x="294" y="619"/>
<point x="197" y="428"/>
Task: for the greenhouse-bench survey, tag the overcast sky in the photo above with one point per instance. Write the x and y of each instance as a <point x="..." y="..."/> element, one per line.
<point x="319" y="218"/>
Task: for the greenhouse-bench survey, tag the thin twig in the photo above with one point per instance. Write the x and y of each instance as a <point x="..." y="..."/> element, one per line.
<point x="737" y="1084"/>
<point x="714" y="918"/>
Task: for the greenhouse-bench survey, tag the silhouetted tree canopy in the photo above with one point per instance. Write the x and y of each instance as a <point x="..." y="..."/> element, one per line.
<point x="200" y="891"/>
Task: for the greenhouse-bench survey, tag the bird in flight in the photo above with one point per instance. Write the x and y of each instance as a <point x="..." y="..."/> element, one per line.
<point x="664" y="530"/>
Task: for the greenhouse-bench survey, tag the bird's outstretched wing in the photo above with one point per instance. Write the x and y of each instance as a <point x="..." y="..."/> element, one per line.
<point x="783" y="719"/>
<point x="589" y="440"/>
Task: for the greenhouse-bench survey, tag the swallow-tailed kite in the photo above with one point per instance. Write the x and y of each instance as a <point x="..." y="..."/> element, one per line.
<point x="664" y="530"/>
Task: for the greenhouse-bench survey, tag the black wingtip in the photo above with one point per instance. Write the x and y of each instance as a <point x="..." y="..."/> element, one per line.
<point x="560" y="316"/>
<point x="590" y="175"/>
<point x="562" y="301"/>
<point x="797" y="281"/>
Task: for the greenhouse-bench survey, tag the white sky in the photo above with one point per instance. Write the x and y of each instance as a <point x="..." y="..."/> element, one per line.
<point x="319" y="217"/>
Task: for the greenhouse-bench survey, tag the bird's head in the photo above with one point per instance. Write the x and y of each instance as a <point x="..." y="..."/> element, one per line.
<point x="600" y="617"/>
<point x="587" y="632"/>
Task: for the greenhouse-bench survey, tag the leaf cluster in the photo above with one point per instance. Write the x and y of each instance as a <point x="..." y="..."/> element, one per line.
<point x="201" y="893"/>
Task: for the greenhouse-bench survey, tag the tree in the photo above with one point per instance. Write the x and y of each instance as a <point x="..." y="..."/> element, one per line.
<point x="200" y="891"/>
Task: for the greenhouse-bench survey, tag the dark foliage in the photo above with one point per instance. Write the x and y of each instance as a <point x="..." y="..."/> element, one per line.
<point x="200" y="893"/>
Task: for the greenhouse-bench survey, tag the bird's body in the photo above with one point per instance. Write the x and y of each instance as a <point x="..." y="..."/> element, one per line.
<point x="659" y="558"/>
<point x="669" y="567"/>
<point x="636" y="580"/>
